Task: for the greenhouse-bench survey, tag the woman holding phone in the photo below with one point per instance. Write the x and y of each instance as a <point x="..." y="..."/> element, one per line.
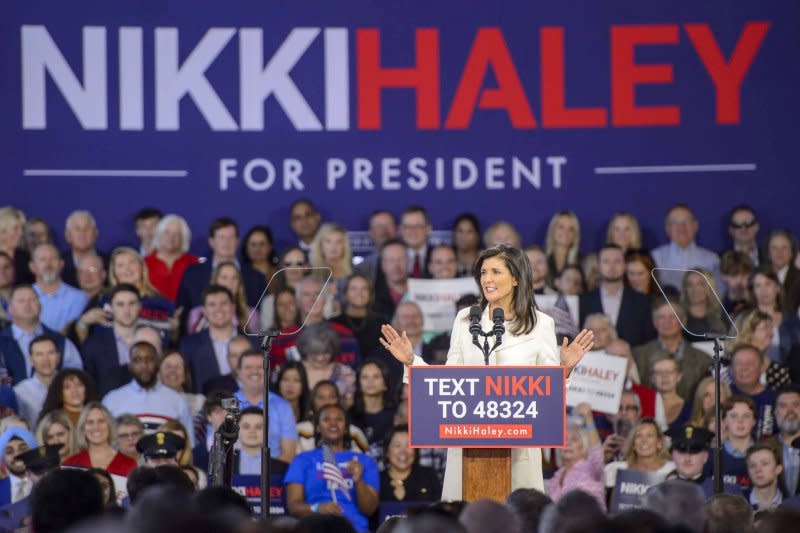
<point x="503" y="274"/>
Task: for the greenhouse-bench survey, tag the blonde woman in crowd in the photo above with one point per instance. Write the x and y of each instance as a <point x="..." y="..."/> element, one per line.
<point x="56" y="428"/>
<point x="644" y="451"/>
<point x="623" y="230"/>
<point x="12" y="224"/>
<point x="563" y="241"/>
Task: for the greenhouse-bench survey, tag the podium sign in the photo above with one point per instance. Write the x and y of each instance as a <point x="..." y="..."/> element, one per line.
<point x="486" y="406"/>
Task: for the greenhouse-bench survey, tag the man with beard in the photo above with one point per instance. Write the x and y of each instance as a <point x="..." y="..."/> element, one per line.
<point x="61" y="303"/>
<point x="787" y="415"/>
<point x="628" y="310"/>
<point x="14" y="442"/>
<point x="152" y="401"/>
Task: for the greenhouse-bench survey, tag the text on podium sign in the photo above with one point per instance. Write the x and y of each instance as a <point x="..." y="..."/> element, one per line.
<point x="486" y="406"/>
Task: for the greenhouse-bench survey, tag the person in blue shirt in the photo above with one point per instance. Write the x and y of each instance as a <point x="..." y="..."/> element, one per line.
<point x="307" y="489"/>
<point x="282" y="425"/>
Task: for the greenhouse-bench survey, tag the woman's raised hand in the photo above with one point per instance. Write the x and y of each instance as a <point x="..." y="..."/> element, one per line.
<point x="397" y="345"/>
<point x="572" y="354"/>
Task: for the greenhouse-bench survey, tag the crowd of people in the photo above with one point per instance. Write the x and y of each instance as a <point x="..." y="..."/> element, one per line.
<point x="118" y="363"/>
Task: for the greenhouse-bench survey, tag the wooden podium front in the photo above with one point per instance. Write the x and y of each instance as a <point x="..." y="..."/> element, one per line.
<point x="486" y="474"/>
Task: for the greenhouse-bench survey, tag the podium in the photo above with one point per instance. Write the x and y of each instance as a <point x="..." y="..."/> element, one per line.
<point x="486" y="474"/>
<point x="486" y="411"/>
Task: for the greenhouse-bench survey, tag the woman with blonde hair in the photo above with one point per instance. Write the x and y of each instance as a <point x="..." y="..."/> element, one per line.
<point x="56" y="428"/>
<point x="623" y="230"/>
<point x="563" y="242"/>
<point x="756" y="329"/>
<point x="704" y="400"/>
<point x="331" y="249"/>
<point x="95" y="434"/>
<point x="703" y="310"/>
<point x="227" y="274"/>
<point x="12" y="229"/>
<point x="127" y="266"/>
<point x="644" y="451"/>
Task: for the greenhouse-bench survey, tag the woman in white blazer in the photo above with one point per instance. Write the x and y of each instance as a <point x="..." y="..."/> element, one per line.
<point x="504" y="276"/>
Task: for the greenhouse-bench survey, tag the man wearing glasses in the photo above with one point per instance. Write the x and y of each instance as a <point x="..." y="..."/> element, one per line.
<point x="129" y="430"/>
<point x="630" y="411"/>
<point x="743" y="228"/>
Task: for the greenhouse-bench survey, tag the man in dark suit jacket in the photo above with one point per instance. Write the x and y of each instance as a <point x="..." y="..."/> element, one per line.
<point x="224" y="241"/>
<point x="628" y="310"/>
<point x="415" y="228"/>
<point x="106" y="350"/>
<point x="81" y="234"/>
<point x="15" y="339"/>
<point x="227" y="382"/>
<point x="206" y="352"/>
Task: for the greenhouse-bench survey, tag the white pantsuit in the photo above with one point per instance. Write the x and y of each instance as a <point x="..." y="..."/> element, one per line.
<point x="539" y="348"/>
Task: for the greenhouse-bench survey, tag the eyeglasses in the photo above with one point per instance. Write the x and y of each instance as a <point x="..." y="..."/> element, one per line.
<point x="628" y="408"/>
<point x="744" y="225"/>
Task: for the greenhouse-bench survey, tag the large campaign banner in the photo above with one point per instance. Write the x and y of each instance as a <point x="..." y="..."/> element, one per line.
<point x="511" y="110"/>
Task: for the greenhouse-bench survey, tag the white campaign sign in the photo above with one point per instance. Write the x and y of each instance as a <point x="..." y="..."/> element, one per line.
<point x="437" y="299"/>
<point x="598" y="380"/>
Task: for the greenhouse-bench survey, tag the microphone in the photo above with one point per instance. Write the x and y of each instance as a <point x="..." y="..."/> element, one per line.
<point x="498" y="317"/>
<point x="475" y="323"/>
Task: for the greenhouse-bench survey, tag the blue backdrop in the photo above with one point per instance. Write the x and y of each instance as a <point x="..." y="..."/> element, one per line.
<point x="511" y="110"/>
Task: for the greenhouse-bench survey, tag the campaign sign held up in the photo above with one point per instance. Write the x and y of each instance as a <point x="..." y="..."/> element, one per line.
<point x="486" y="406"/>
<point x="249" y="486"/>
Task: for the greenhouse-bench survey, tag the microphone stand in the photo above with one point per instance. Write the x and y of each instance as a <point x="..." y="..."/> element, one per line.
<point x="266" y="347"/>
<point x="717" y="338"/>
<point x="717" y="457"/>
<point x="485" y="348"/>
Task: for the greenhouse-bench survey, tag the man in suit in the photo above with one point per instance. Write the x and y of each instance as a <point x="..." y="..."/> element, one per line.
<point x="38" y="462"/>
<point x="206" y="352"/>
<point x="16" y="338"/>
<point x="81" y="234"/>
<point x="228" y="382"/>
<point x="107" y="350"/>
<point x="628" y="310"/>
<point x="781" y="251"/>
<point x="415" y="228"/>
<point x="223" y="238"/>
<point x="670" y="341"/>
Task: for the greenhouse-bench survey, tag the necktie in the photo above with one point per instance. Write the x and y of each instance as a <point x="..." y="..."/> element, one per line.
<point x="22" y="490"/>
<point x="417" y="271"/>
